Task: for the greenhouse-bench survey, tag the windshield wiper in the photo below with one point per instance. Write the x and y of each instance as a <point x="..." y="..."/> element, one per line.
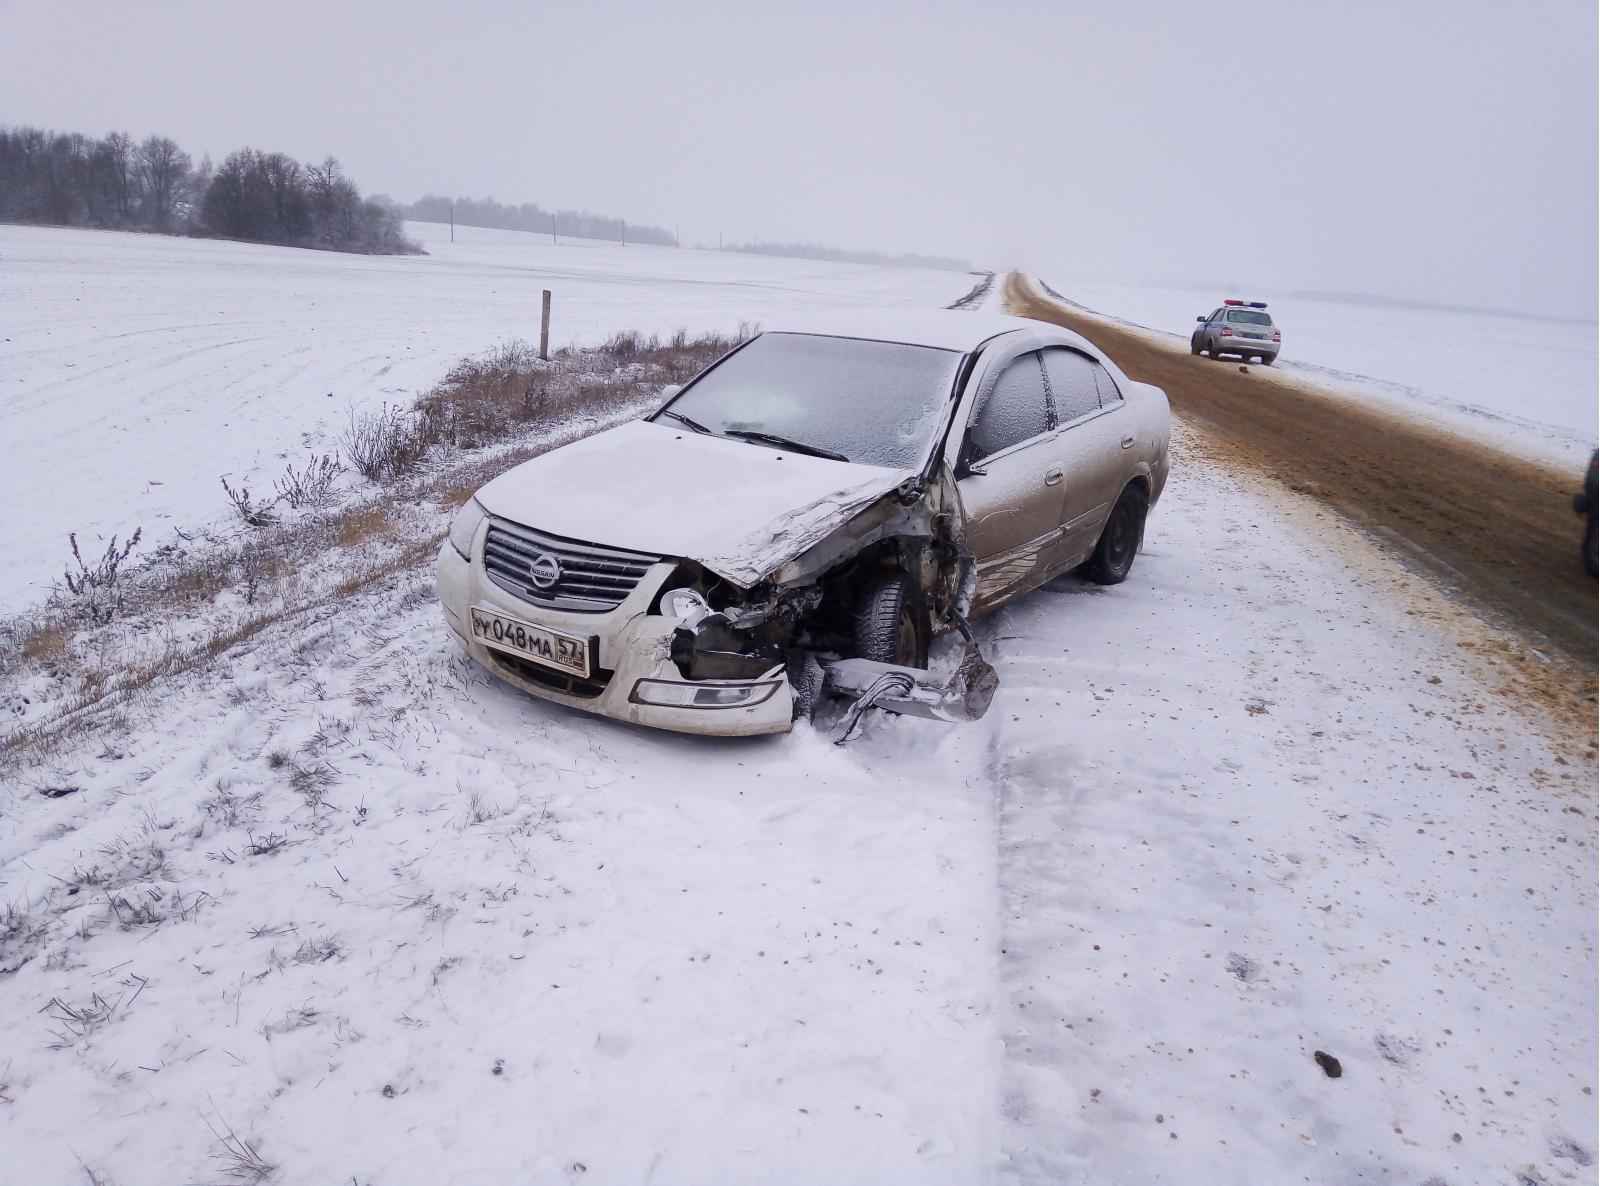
<point x="694" y="424"/>
<point x="767" y="438"/>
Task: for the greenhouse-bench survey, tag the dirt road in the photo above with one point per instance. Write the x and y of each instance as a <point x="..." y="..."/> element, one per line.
<point x="1495" y="529"/>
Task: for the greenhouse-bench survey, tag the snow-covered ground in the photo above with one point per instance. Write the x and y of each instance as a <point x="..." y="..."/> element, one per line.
<point x="341" y="896"/>
<point x="1525" y="383"/>
<point x="390" y="922"/>
<point x="139" y="369"/>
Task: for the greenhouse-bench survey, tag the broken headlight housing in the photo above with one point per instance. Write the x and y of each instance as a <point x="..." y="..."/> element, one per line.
<point x="686" y="605"/>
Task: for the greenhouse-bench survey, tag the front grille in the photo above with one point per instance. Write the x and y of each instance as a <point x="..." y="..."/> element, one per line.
<point x="592" y="578"/>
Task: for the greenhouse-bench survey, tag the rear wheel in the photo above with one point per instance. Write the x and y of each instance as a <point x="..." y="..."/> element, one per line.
<point x="891" y="625"/>
<point x="1194" y="344"/>
<point x="1268" y="359"/>
<point x="1119" y="539"/>
<point x="1590" y="560"/>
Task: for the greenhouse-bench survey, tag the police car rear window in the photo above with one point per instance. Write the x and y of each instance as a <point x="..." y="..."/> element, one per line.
<point x="1248" y="317"/>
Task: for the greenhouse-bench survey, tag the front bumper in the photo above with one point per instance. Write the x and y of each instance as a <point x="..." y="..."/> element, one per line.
<point x="634" y="645"/>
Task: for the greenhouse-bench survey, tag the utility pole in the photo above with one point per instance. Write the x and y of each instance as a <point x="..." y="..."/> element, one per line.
<point x="624" y="232"/>
<point x="719" y="240"/>
<point x="452" y="222"/>
<point x="676" y="242"/>
<point x="552" y="227"/>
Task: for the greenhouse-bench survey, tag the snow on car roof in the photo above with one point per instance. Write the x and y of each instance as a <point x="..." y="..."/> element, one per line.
<point x="946" y="329"/>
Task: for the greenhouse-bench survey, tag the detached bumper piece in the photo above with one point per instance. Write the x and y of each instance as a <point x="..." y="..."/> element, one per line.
<point x="912" y="691"/>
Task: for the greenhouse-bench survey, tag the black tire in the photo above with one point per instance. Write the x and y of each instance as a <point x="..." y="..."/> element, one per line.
<point x="806" y="684"/>
<point x="1268" y="359"/>
<point x="1194" y="344"/>
<point x="1590" y="560"/>
<point x="1119" y="539"/>
<point x="891" y="624"/>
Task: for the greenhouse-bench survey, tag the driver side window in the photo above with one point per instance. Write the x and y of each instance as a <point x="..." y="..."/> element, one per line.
<point x="1015" y="411"/>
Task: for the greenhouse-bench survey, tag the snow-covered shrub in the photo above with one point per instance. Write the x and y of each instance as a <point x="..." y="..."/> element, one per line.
<point x="311" y="485"/>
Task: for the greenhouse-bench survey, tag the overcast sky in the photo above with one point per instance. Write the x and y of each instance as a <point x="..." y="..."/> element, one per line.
<point x="1435" y="149"/>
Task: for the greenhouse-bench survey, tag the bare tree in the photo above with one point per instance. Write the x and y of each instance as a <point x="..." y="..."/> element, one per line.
<point x="163" y="170"/>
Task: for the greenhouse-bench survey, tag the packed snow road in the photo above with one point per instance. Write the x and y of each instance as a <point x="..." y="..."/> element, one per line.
<point x="1478" y="519"/>
<point x="383" y="919"/>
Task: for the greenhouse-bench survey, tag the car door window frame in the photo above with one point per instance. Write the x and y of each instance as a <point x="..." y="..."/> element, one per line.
<point x="976" y="464"/>
<point x="991" y="362"/>
<point x="1099" y="370"/>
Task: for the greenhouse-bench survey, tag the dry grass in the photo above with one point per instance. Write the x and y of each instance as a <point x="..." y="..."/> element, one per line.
<point x="487" y="415"/>
<point x="367" y="524"/>
<point x="46" y="644"/>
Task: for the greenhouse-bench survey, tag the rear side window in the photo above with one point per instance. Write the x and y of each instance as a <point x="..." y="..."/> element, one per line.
<point x="1073" y="387"/>
<point x="1015" y="410"/>
<point x="1248" y="317"/>
<point x="1109" y="394"/>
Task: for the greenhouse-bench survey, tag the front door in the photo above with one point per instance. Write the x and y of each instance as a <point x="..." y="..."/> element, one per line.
<point x="1012" y="485"/>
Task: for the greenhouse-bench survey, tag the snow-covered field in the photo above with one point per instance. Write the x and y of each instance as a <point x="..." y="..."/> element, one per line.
<point x="187" y="359"/>
<point x="389" y="922"/>
<point x="1524" y="383"/>
<point x="341" y="899"/>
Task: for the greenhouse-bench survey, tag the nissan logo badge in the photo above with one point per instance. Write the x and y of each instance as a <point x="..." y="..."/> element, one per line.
<point x="544" y="571"/>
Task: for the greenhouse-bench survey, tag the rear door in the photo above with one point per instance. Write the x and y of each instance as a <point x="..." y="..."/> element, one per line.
<point x="1094" y="446"/>
<point x="1012" y="482"/>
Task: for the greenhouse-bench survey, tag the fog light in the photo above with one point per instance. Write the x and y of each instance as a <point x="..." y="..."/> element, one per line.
<point x="669" y="694"/>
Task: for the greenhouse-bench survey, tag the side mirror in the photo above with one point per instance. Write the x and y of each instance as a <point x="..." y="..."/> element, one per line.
<point x="1202" y="317"/>
<point x="670" y="390"/>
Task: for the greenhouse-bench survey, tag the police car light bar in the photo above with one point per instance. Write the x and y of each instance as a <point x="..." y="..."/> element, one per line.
<point x="1248" y="304"/>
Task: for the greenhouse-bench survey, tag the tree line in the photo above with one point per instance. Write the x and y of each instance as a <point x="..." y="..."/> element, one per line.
<point x="68" y="179"/>
<point x="529" y="216"/>
<point x="842" y="255"/>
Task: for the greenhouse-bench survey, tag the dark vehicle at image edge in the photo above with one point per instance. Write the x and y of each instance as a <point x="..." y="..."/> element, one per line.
<point x="1587" y="504"/>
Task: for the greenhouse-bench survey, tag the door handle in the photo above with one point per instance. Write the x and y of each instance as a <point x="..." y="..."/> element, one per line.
<point x="1052" y="476"/>
<point x="1127" y="442"/>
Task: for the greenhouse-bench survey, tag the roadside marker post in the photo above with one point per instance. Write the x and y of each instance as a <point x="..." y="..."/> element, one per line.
<point x="544" y="328"/>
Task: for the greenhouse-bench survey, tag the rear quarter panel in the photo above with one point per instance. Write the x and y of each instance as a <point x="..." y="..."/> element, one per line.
<point x="1151" y="425"/>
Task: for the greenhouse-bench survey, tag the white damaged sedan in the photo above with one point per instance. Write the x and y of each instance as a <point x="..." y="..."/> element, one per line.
<point x="804" y="517"/>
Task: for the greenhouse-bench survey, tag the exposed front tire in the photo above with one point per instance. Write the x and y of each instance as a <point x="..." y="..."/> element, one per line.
<point x="891" y="624"/>
<point x="806" y="682"/>
<point x="1590" y="560"/>
<point x="1194" y="344"/>
<point x="1119" y="539"/>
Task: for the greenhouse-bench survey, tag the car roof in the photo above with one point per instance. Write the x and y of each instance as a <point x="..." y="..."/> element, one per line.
<point x="945" y="329"/>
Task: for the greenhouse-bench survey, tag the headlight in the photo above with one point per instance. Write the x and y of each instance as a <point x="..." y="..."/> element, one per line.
<point x="684" y="604"/>
<point x="465" y="526"/>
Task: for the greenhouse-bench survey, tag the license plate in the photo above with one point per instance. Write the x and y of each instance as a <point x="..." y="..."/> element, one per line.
<point x="1257" y="337"/>
<point x="540" y="644"/>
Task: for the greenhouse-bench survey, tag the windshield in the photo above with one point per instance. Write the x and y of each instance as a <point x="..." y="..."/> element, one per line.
<point x="1248" y="317"/>
<point x="877" y="403"/>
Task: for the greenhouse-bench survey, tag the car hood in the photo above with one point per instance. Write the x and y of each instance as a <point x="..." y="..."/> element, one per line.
<point x="739" y="509"/>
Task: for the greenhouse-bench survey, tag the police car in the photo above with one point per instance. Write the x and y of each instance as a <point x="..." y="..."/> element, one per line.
<point x="1239" y="327"/>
